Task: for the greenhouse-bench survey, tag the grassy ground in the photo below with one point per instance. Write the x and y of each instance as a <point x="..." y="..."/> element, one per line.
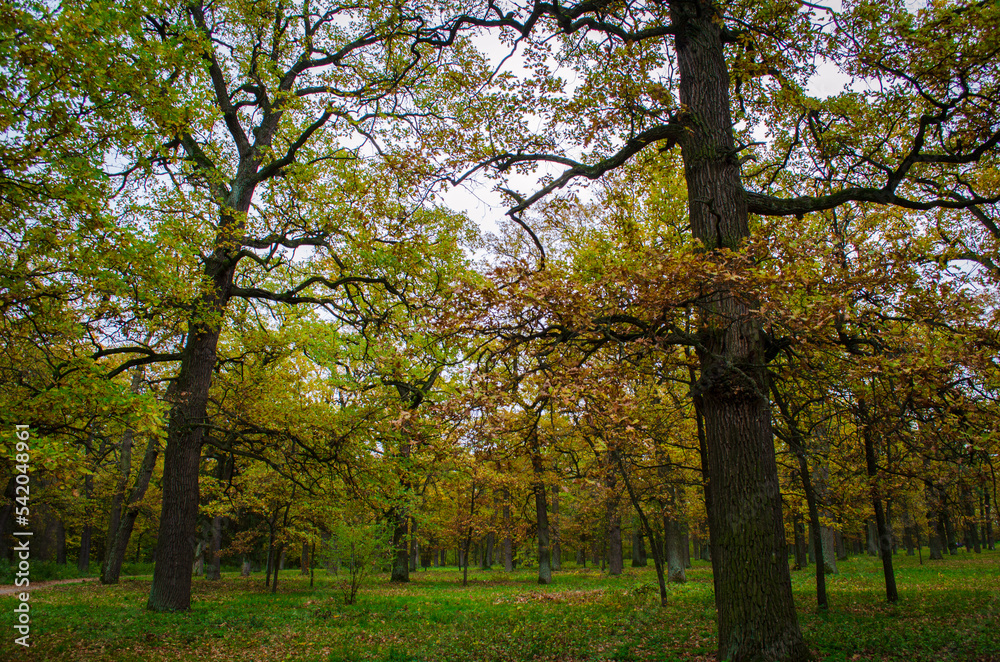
<point x="948" y="610"/>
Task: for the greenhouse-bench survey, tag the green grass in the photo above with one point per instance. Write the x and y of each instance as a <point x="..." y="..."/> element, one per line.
<point x="948" y="610"/>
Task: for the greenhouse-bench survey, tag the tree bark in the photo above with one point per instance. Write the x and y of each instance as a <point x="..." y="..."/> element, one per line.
<point x="756" y="611"/>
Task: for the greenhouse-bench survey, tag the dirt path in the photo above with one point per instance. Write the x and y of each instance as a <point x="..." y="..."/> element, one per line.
<point x="11" y="590"/>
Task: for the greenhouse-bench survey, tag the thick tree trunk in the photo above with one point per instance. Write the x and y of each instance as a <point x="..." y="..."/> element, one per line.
<point x="401" y="555"/>
<point x="118" y="544"/>
<point x="188" y="394"/>
<point x="756" y="612"/>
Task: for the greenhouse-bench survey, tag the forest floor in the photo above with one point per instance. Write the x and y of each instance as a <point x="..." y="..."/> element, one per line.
<point x="948" y="610"/>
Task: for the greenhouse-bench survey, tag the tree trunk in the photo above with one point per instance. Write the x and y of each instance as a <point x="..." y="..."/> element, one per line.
<point x="935" y="532"/>
<point x="819" y="546"/>
<point x="214" y="570"/>
<point x="616" y="561"/>
<point x="125" y="472"/>
<point x="815" y="530"/>
<point x="554" y="533"/>
<point x="111" y="571"/>
<point x="414" y="551"/>
<point x="987" y="515"/>
<point x="615" y="555"/>
<point x="908" y="527"/>
<point x="488" y="552"/>
<point x="882" y="529"/>
<point x="871" y="536"/>
<point x="753" y="596"/>
<point x="401" y="555"/>
<point x="838" y="542"/>
<point x="171" y="589"/>
<point x="279" y="563"/>
<point x="672" y="538"/>
<point x="508" y="543"/>
<point x="971" y="530"/>
<point x="949" y="528"/>
<point x="654" y="544"/>
<point x="83" y="561"/>
<point x="801" y="555"/>
<point x="638" y="546"/>
<point x="541" y="512"/>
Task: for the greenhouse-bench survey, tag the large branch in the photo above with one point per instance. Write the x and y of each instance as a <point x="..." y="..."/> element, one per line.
<point x="569" y="19"/>
<point x="766" y="205"/>
<point x="148" y="356"/>
<point x="222" y="96"/>
<point x="294" y="295"/>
